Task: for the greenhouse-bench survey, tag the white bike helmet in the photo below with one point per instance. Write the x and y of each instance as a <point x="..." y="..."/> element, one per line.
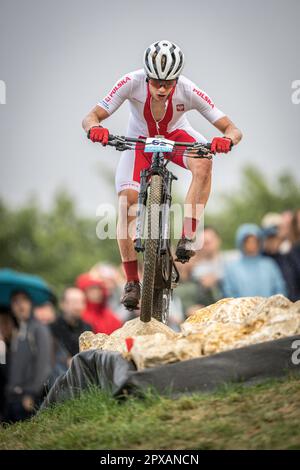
<point x="163" y="60"/>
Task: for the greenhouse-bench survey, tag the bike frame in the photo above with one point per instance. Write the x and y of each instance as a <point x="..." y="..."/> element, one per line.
<point x="162" y="276"/>
<point x="158" y="167"/>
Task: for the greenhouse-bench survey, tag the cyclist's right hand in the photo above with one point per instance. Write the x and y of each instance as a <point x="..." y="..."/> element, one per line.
<point x="98" y="134"/>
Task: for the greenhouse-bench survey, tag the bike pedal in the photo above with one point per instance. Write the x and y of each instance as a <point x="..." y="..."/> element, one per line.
<point x="183" y="260"/>
<point x="132" y="309"/>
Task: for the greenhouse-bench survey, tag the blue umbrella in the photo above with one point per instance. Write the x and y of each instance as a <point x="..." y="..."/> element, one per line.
<point x="34" y="286"/>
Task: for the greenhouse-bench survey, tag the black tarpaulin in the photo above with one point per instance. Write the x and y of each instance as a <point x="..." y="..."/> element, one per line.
<point x="111" y="372"/>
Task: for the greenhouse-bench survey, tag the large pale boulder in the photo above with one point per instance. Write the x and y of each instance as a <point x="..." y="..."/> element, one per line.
<point x="227" y="324"/>
<point x="85" y="340"/>
<point x="239" y="322"/>
<point x="116" y="341"/>
<point x="153" y="350"/>
<point x="227" y="310"/>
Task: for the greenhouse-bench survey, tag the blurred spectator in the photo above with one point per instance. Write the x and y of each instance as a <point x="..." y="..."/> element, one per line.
<point x="200" y="279"/>
<point x="114" y="282"/>
<point x="29" y="360"/>
<point x="272" y="224"/>
<point x="176" y="312"/>
<point x="209" y="270"/>
<point x="187" y="289"/>
<point x="69" y="326"/>
<point x="272" y="241"/>
<point x="209" y="261"/>
<point x="97" y="313"/>
<point x="285" y="231"/>
<point x="253" y="274"/>
<point x="45" y="313"/>
<point x="7" y="327"/>
<point x="295" y="228"/>
<point x="3" y="376"/>
<point x="295" y="253"/>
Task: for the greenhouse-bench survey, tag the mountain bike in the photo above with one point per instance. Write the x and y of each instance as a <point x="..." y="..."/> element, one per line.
<point x="153" y="219"/>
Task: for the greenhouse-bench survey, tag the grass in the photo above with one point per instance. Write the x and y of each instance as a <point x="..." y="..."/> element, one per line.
<point x="264" y="416"/>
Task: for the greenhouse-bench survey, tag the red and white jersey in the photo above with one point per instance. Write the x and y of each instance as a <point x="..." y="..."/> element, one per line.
<point x="184" y="97"/>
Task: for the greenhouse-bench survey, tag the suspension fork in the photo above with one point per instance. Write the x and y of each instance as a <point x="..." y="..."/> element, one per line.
<point x="141" y="212"/>
<point x="165" y="213"/>
<point x="155" y="168"/>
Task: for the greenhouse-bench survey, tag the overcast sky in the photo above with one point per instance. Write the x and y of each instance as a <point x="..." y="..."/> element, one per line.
<point x="59" y="57"/>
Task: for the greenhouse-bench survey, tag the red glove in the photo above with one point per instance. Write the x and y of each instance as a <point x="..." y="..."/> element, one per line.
<point x="98" y="134"/>
<point x="221" y="145"/>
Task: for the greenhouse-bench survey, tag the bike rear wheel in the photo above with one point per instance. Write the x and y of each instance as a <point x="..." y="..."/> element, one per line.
<point x="163" y="287"/>
<point x="151" y="248"/>
<point x="161" y="304"/>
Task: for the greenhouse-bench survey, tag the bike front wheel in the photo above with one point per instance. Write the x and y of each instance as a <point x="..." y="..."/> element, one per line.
<point x="151" y="248"/>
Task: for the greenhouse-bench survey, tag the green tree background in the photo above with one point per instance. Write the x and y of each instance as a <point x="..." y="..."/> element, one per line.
<point x="60" y="244"/>
<point x="57" y="245"/>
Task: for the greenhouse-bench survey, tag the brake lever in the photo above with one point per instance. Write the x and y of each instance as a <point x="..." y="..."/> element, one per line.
<point x="205" y="148"/>
<point x="121" y="146"/>
<point x="119" y="142"/>
<point x="202" y="150"/>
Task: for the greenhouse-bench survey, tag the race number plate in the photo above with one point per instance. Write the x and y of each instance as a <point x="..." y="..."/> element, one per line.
<point x="155" y="145"/>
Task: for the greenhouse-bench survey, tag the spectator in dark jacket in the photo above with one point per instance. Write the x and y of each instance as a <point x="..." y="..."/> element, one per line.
<point x="69" y="326"/>
<point x="271" y="225"/>
<point x="45" y="313"/>
<point x="295" y="253"/>
<point x="30" y="360"/>
<point x="7" y="327"/>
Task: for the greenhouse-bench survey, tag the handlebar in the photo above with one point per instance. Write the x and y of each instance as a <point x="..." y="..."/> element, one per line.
<point x="122" y="143"/>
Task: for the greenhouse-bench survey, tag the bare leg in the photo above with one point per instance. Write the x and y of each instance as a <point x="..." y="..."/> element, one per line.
<point x="131" y="296"/>
<point x="200" y="186"/>
<point x="127" y="198"/>
<point x="195" y="202"/>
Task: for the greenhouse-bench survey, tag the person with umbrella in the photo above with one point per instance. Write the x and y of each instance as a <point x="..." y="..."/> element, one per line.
<point x="30" y="354"/>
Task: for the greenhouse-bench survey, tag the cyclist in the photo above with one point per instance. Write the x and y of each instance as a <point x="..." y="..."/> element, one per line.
<point x="159" y="97"/>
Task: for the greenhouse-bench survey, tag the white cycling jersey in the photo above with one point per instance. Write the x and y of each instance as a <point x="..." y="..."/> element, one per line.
<point x="184" y="97"/>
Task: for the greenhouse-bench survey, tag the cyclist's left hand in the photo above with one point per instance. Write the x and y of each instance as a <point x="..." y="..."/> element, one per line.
<point x="221" y="145"/>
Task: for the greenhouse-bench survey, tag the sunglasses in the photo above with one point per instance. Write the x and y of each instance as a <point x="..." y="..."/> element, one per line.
<point x="162" y="83"/>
